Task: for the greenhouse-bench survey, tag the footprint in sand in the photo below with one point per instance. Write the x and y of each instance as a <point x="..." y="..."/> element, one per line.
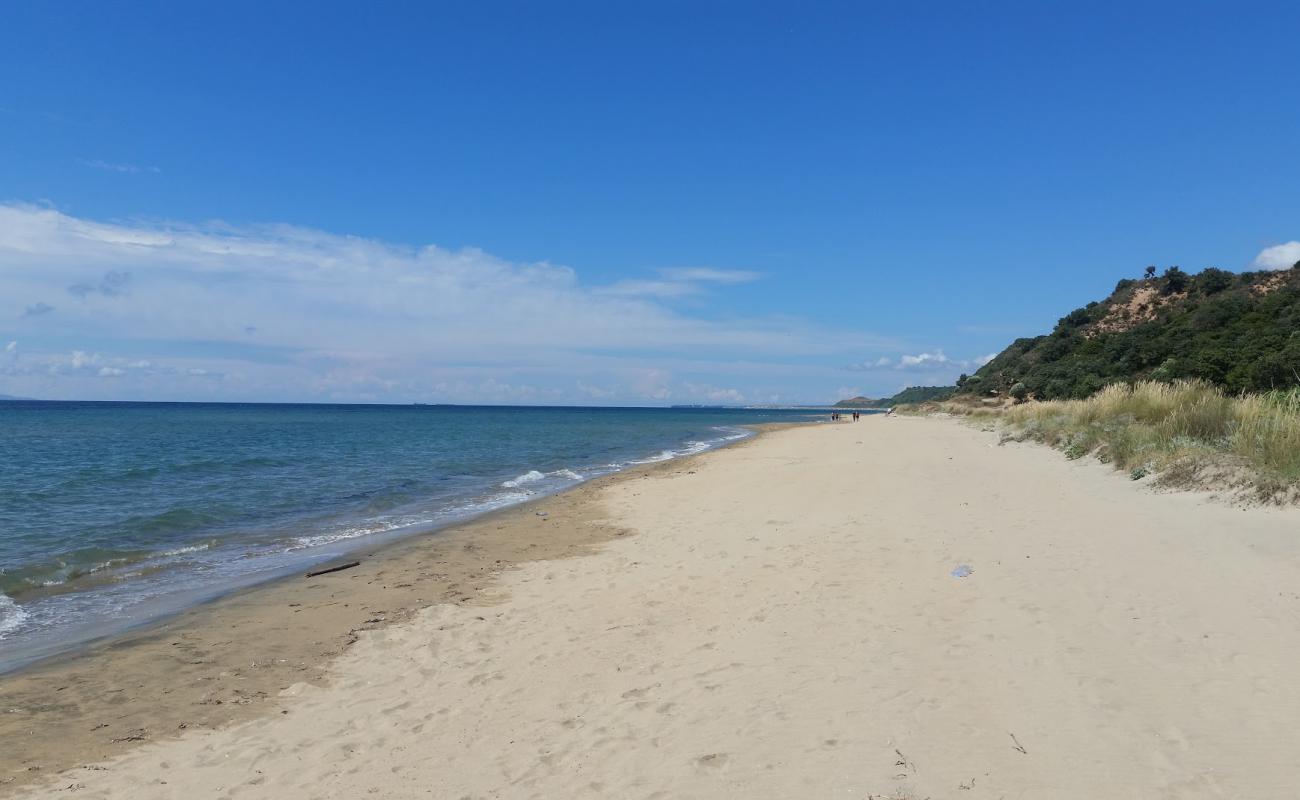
<point x="712" y="760"/>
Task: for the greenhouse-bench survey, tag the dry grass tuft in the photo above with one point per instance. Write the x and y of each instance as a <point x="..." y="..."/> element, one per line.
<point x="1188" y="431"/>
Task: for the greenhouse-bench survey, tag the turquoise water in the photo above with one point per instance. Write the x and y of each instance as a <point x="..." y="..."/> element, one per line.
<point x="112" y="514"/>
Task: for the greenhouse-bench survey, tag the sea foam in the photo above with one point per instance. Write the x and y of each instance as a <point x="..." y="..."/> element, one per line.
<point x="11" y="616"/>
<point x="531" y="476"/>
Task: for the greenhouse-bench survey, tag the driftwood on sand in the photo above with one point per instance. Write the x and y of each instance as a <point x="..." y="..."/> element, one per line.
<point x="336" y="568"/>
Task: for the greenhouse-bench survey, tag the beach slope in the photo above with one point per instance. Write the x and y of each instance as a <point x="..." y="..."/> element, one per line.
<point x="787" y="620"/>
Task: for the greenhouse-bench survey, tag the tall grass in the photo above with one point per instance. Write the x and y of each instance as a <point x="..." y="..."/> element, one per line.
<point x="1179" y="428"/>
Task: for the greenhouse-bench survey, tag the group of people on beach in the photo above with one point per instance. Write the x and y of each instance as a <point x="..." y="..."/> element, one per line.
<point x="837" y="416"/>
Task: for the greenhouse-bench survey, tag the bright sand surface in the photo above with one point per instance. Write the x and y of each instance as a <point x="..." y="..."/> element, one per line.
<point x="784" y="623"/>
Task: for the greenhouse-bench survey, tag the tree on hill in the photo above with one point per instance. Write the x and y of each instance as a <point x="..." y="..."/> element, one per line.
<point x="1175" y="281"/>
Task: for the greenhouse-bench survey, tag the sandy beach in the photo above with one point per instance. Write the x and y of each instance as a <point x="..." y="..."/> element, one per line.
<point x="778" y="619"/>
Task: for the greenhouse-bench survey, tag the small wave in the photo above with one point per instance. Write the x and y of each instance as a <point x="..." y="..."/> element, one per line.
<point x="519" y="492"/>
<point x="181" y="551"/>
<point x="354" y="532"/>
<point x="91" y="563"/>
<point x="693" y="447"/>
<point x="688" y="449"/>
<point x="11" y="616"/>
<point x="497" y="501"/>
<point x="662" y="456"/>
<point x="531" y="476"/>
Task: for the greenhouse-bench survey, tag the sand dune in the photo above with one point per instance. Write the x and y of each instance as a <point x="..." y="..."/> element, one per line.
<point x="785" y="624"/>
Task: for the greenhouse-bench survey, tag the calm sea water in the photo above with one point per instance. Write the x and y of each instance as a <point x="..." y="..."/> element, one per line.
<point x="112" y="514"/>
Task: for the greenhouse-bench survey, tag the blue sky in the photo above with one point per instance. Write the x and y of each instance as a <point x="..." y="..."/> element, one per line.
<point x="611" y="203"/>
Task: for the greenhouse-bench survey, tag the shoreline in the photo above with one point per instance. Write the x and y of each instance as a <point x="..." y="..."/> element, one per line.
<point x="217" y="671"/>
<point x="185" y="601"/>
<point x="174" y="535"/>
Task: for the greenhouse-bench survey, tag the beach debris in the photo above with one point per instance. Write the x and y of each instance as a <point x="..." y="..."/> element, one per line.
<point x="1017" y="745"/>
<point x="336" y="568"/>
<point x="961" y="571"/>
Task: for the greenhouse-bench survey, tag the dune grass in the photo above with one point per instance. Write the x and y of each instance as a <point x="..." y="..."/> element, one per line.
<point x="1182" y="430"/>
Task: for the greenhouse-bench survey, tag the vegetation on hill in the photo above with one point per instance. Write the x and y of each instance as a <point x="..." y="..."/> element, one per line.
<point x="1191" y="432"/>
<point x="1240" y="332"/>
<point x="912" y="394"/>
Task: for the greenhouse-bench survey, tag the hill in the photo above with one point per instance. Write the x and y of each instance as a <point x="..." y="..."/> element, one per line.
<point x="1238" y="331"/>
<point x="912" y="394"/>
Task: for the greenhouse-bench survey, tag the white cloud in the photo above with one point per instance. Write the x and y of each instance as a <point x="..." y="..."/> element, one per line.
<point x="291" y="313"/>
<point x="80" y="359"/>
<point x="11" y="348"/>
<point x="678" y="281"/>
<point x="111" y="372"/>
<point x="1280" y="256"/>
<point x="709" y="275"/>
<point x="109" y="166"/>
<point x="929" y="366"/>
<point x="923" y="360"/>
<point x="653" y="384"/>
<point x="641" y="288"/>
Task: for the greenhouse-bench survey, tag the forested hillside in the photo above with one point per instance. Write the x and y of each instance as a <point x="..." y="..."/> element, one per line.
<point x="1239" y="331"/>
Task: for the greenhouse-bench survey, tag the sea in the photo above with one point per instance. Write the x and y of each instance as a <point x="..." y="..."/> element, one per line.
<point x="113" y="515"/>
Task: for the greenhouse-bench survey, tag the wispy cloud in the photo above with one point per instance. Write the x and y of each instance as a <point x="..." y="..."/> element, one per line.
<point x="679" y="282"/>
<point x="709" y="275"/>
<point x="926" y="361"/>
<point x="643" y="288"/>
<point x="1280" y="256"/>
<point x="280" y="312"/>
<point x="109" y="166"/>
